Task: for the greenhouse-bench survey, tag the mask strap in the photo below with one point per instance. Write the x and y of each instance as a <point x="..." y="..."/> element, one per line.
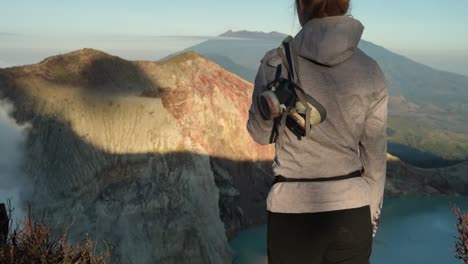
<point x="292" y="57"/>
<point x="290" y="63"/>
<point x="308" y="111"/>
<point x="285" y="62"/>
<point x="282" y="127"/>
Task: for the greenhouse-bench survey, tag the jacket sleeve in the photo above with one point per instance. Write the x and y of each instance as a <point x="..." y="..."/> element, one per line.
<point x="259" y="129"/>
<point x="373" y="148"/>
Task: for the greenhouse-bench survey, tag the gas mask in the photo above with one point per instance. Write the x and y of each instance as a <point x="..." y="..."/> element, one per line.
<point x="285" y="98"/>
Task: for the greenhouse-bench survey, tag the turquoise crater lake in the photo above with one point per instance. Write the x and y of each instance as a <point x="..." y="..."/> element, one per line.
<point x="412" y="230"/>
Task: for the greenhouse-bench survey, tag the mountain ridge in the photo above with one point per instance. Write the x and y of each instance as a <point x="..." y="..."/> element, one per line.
<point x="150" y="163"/>
<point x="253" y="34"/>
<point x="121" y="140"/>
<point x="435" y="100"/>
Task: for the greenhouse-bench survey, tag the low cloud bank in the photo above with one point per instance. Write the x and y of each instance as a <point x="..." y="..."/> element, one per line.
<point x="13" y="184"/>
<point x="3" y="64"/>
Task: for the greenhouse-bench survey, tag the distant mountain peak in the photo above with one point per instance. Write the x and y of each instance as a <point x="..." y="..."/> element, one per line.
<point x="253" y="34"/>
<point x="227" y="33"/>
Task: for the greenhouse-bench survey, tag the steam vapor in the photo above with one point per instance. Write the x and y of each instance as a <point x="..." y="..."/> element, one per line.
<point x="12" y="138"/>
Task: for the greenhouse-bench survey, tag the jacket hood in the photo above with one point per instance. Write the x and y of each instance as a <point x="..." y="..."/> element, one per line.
<point x="330" y="40"/>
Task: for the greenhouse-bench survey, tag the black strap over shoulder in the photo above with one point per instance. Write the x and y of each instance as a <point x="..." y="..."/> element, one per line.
<point x="353" y="174"/>
<point x="291" y="73"/>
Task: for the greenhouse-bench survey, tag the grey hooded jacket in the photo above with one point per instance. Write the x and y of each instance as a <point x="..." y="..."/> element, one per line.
<point x="352" y="88"/>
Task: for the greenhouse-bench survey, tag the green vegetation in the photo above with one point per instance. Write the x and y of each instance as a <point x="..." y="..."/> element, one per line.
<point x="444" y="144"/>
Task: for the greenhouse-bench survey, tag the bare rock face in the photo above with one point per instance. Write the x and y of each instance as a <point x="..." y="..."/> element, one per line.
<point x="211" y="106"/>
<point x="154" y="158"/>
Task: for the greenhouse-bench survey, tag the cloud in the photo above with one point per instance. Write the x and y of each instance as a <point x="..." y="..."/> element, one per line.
<point x="12" y="139"/>
<point x="3" y="64"/>
<point x="9" y="34"/>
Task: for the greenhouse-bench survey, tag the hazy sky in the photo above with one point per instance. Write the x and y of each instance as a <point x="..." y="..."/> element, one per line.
<point x="429" y="31"/>
<point x="396" y="24"/>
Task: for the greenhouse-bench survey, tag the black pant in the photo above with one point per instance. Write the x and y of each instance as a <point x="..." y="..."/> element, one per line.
<point x="341" y="236"/>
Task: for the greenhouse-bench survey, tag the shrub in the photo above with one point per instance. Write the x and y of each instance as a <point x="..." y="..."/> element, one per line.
<point x="461" y="243"/>
<point x="32" y="242"/>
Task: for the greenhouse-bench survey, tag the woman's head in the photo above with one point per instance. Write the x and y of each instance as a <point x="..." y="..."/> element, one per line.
<point x="310" y="9"/>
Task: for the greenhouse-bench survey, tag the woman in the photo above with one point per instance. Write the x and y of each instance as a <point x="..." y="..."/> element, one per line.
<point x="335" y="218"/>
